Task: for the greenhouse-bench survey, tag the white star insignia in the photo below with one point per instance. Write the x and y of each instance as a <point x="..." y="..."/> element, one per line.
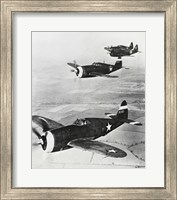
<point x="112" y="151"/>
<point x="108" y="127"/>
<point x="110" y="68"/>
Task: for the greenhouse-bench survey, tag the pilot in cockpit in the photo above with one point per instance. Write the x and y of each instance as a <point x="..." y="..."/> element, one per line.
<point x="80" y="122"/>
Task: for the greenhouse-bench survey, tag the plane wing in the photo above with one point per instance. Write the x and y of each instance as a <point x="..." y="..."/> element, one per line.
<point x="102" y="75"/>
<point x="45" y="123"/>
<point x="97" y="147"/>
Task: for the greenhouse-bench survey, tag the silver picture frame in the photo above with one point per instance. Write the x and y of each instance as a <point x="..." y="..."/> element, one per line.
<point x="168" y="7"/>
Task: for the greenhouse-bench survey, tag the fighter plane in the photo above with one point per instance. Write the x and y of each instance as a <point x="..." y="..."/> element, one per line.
<point x="96" y="69"/>
<point x="54" y="136"/>
<point x="121" y="50"/>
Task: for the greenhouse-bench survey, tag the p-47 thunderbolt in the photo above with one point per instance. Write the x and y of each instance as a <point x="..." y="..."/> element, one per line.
<point x="96" y="69"/>
<point x="121" y="50"/>
<point x="82" y="133"/>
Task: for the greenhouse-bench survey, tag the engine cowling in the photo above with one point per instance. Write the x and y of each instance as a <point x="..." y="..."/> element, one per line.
<point x="54" y="140"/>
<point x="80" y="72"/>
<point x="48" y="142"/>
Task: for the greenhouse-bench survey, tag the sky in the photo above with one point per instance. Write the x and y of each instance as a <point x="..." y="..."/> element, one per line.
<point x="51" y="51"/>
<point x="58" y="48"/>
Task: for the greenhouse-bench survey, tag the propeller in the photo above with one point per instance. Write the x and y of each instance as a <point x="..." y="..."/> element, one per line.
<point x="36" y="133"/>
<point x="74" y="66"/>
<point x="75" y="63"/>
<point x="108" y="48"/>
<point x="42" y="139"/>
<point x="72" y="70"/>
<point x="36" y="144"/>
<point x="44" y="124"/>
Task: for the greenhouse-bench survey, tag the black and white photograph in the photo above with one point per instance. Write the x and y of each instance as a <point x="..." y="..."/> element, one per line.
<point x="88" y="100"/>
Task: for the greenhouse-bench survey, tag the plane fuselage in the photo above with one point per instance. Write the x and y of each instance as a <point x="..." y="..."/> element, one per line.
<point x="120" y="51"/>
<point x="88" y="128"/>
<point x="97" y="68"/>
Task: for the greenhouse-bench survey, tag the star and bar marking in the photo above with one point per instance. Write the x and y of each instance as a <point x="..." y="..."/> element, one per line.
<point x="108" y="127"/>
<point x="111" y="151"/>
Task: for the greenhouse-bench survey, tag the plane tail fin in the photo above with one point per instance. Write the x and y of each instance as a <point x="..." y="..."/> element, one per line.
<point x="123" y="111"/>
<point x="118" y="63"/>
<point x="131" y="45"/>
<point x="122" y="115"/>
<point x="135" y="50"/>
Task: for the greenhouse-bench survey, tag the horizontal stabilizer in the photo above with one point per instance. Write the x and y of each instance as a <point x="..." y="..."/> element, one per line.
<point x="113" y="116"/>
<point x="129" y="121"/>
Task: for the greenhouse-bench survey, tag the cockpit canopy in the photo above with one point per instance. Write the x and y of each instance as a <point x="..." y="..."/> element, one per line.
<point x="81" y="122"/>
<point x="96" y="64"/>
